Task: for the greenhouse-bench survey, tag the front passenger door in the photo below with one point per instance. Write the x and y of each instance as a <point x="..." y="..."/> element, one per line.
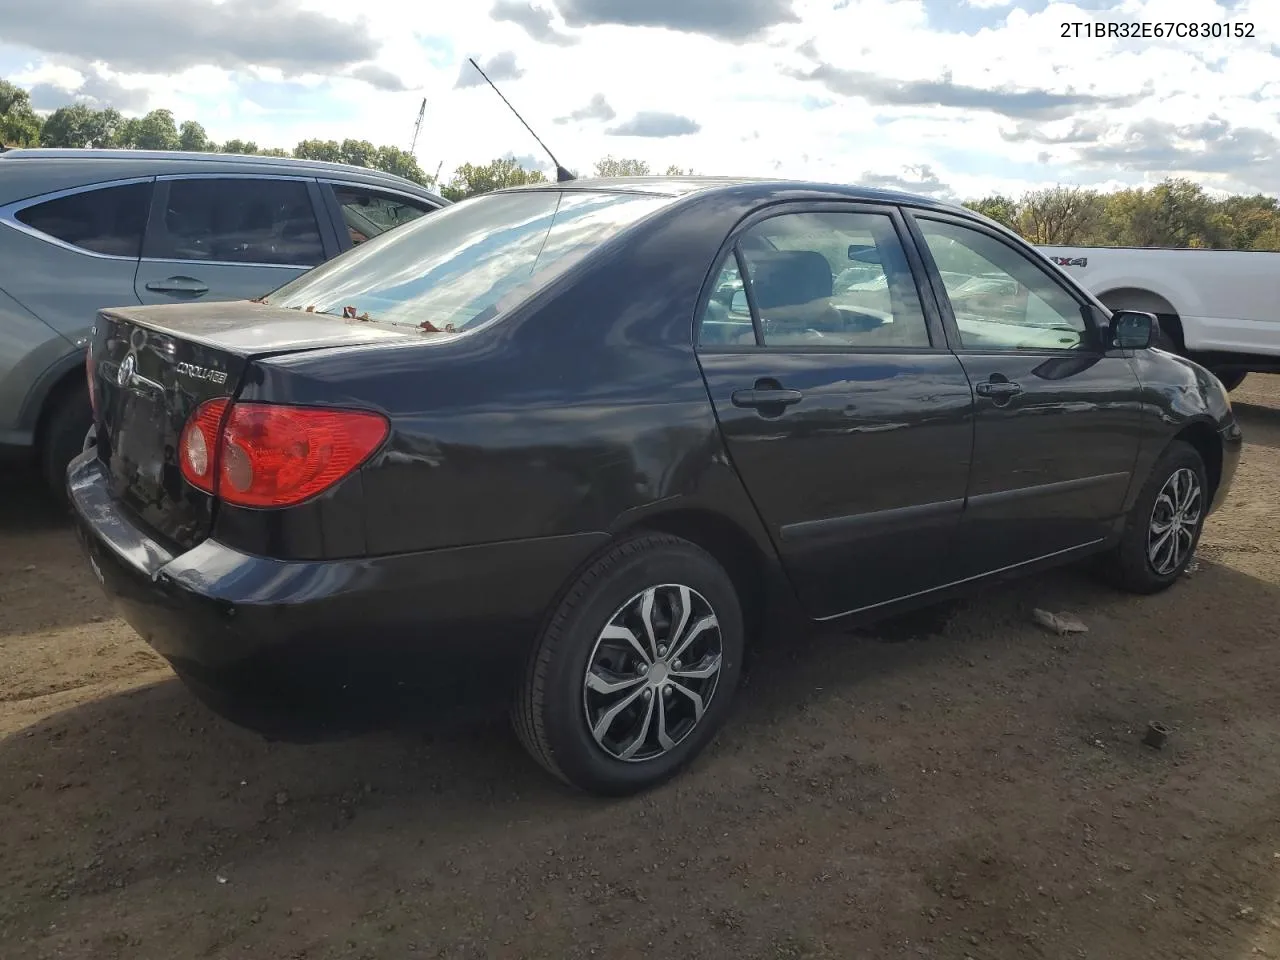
<point x="1057" y="430"/>
<point x="227" y="238"/>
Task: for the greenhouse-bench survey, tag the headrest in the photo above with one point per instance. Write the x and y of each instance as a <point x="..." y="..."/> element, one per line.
<point x="784" y="278"/>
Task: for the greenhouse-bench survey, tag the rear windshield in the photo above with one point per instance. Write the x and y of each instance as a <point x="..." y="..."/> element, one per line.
<point x="468" y="262"/>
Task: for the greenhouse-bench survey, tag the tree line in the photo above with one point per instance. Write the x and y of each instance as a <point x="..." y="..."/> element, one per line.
<point x="1174" y="213"/>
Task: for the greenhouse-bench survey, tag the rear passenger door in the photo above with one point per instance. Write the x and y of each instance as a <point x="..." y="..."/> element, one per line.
<point x="846" y="415"/>
<point x="362" y="212"/>
<point x="225" y="237"/>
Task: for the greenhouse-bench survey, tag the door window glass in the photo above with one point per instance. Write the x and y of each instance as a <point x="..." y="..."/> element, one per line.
<point x="368" y="214"/>
<point x="237" y="221"/>
<point x="1001" y="300"/>
<point x="727" y="318"/>
<point x="108" y="220"/>
<point x="833" y="279"/>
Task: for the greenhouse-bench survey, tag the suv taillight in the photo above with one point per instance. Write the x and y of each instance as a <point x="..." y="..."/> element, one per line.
<point x="271" y="455"/>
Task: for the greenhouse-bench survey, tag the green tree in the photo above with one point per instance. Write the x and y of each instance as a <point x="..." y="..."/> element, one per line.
<point x="192" y="136"/>
<point x="239" y="146"/>
<point x="611" y="167"/>
<point x="329" y="151"/>
<point x="1060" y="215"/>
<point x="1003" y="210"/>
<point x="80" y="126"/>
<point x="402" y="163"/>
<point x="19" y="124"/>
<point x="154" y="131"/>
<point x="469" y="180"/>
<point x="678" y="171"/>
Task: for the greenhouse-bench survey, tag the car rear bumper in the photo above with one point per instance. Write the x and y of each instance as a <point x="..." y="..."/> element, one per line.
<point x="459" y="616"/>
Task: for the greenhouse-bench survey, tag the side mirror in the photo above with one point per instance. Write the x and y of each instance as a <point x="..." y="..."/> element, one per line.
<point x="1132" y="329"/>
<point x="739" y="302"/>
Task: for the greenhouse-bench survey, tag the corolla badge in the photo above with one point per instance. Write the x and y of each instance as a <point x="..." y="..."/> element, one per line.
<point x="124" y="375"/>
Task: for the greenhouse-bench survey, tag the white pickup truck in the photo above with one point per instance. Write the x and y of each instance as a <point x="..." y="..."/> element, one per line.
<point x="1221" y="308"/>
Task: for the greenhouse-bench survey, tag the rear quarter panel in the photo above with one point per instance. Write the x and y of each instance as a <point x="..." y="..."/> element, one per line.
<point x="29" y="350"/>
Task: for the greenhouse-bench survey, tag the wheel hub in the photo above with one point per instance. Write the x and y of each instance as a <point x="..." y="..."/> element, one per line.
<point x="652" y="672"/>
<point x="1175" y="520"/>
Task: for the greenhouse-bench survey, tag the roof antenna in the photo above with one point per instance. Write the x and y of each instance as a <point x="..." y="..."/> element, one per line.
<point x="562" y="175"/>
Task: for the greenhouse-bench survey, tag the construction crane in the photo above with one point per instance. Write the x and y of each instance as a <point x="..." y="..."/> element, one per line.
<point x="417" y="126"/>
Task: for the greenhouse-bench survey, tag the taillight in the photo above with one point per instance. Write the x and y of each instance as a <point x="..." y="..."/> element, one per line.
<point x="270" y="455"/>
<point x="198" y="442"/>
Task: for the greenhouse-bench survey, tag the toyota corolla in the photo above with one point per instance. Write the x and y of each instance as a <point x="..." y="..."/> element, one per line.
<point x="574" y="442"/>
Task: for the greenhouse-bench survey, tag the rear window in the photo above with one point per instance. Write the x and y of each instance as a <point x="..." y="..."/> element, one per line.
<point x="105" y="220"/>
<point x="468" y="262"/>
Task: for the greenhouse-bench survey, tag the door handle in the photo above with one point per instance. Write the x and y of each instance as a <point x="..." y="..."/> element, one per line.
<point x="178" y="285"/>
<point x="766" y="397"/>
<point x="998" y="389"/>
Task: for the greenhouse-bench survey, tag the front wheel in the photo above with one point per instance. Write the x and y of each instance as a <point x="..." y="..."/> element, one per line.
<point x="634" y="672"/>
<point x="1163" y="528"/>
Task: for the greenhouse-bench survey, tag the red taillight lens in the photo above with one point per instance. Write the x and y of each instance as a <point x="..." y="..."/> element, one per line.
<point x="199" y="442"/>
<point x="270" y="455"/>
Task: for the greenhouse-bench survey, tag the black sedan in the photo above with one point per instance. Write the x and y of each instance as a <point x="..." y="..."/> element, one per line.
<point x="575" y="441"/>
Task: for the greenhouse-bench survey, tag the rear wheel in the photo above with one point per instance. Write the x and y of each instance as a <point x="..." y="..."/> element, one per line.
<point x="634" y="672"/>
<point x="62" y="437"/>
<point x="1163" y="528"/>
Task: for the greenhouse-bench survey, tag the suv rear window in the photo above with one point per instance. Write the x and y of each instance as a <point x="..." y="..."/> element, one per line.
<point x="470" y="261"/>
<point x="107" y="220"/>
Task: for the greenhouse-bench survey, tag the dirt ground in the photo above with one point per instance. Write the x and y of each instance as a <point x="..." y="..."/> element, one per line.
<point x="960" y="784"/>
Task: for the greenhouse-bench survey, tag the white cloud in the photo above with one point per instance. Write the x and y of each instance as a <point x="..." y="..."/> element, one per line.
<point x="990" y="97"/>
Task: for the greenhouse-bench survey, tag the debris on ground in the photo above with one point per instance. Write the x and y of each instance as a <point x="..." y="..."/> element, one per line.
<point x="1059" y="623"/>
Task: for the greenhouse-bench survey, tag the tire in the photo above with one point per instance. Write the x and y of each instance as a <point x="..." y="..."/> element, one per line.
<point x="554" y="701"/>
<point x="1130" y="566"/>
<point x="62" y="438"/>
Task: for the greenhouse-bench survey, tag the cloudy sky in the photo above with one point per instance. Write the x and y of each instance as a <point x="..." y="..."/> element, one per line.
<point x="951" y="97"/>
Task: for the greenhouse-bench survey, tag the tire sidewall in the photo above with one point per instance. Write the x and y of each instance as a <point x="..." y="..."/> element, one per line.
<point x="63" y="439"/>
<point x="574" y="749"/>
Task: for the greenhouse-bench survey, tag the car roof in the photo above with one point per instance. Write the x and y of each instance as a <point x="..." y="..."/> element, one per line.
<point x="683" y="186"/>
<point x="118" y="163"/>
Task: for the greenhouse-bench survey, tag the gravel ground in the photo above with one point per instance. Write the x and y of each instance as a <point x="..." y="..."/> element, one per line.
<point x="957" y="784"/>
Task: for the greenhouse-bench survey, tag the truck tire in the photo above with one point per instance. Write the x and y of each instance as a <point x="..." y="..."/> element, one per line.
<point x="66" y="422"/>
<point x="1231" y="378"/>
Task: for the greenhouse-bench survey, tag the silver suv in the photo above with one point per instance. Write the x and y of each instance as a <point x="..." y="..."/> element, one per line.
<point x="85" y="229"/>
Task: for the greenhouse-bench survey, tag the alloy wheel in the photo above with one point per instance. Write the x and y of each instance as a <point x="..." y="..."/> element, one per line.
<point x="1175" y="519"/>
<point x="652" y="672"/>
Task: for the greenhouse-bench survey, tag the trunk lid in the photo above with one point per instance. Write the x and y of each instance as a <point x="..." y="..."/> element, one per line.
<point x="153" y="366"/>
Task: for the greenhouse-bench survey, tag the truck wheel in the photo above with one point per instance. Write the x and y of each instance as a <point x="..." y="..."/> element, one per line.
<point x="635" y="670"/>
<point x="1163" y="528"/>
<point x="1230" y="378"/>
<point x="66" y="423"/>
